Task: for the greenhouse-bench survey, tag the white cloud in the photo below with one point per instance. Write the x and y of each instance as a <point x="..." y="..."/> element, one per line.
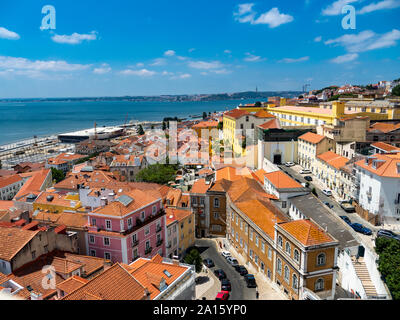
<point x="385" y="4"/>
<point x="318" y="39"/>
<point x="252" y="58"/>
<point x="245" y="13"/>
<point x="182" y="76"/>
<point x="345" y="58"/>
<point x="227" y="51"/>
<point x="169" y="53"/>
<point x="7" y="34"/>
<point x="141" y="72"/>
<point x="159" y="62"/>
<point x="105" y="68"/>
<point x="205" y="65"/>
<point x="273" y="18"/>
<point x="366" y="40"/>
<point x="139" y="64"/>
<point x="74" y="38"/>
<point x="181" y="58"/>
<point x="290" y="60"/>
<point x="335" y="8"/>
<point x="39" y="65"/>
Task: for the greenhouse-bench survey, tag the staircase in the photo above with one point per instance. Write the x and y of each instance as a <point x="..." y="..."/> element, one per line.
<point x="363" y="275"/>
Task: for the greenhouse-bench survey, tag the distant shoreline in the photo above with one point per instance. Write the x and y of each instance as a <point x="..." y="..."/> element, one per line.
<point x="167" y="98"/>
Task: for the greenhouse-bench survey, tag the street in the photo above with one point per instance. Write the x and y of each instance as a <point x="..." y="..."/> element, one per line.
<point x="239" y="289"/>
<point x="354" y="217"/>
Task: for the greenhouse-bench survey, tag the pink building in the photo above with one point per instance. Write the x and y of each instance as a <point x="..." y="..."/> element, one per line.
<point x="127" y="226"/>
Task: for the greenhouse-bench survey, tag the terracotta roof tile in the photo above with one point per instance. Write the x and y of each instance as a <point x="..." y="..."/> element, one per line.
<point x="12" y="240"/>
<point x="385" y="147"/>
<point x="281" y="180"/>
<point x="307" y="232"/>
<point x="333" y="159"/>
<point x="200" y="186"/>
<point x="312" y="137"/>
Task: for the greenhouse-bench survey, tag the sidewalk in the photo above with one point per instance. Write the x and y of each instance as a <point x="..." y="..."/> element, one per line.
<point x="265" y="288"/>
<point x="208" y="289"/>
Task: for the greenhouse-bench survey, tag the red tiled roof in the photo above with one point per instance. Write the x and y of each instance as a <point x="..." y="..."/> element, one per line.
<point x="385" y="147"/>
<point x="312" y="137"/>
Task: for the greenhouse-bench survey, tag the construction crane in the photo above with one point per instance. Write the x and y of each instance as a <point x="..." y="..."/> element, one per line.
<point x="305" y="86"/>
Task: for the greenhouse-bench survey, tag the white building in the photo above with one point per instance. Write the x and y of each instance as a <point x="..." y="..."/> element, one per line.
<point x="379" y="180"/>
<point x="9" y="186"/>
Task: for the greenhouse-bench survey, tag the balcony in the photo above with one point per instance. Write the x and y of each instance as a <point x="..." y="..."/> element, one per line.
<point x="135" y="243"/>
<point x="148" y="250"/>
<point x="159" y="242"/>
<point x="158" y="229"/>
<point x="145" y="222"/>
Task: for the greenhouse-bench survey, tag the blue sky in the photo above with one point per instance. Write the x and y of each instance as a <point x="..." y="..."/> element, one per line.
<point x="114" y="48"/>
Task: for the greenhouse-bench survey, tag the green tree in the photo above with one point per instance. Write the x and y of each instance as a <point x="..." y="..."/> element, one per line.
<point x="140" y="130"/>
<point x="157" y="173"/>
<point x="389" y="264"/>
<point x="164" y="126"/>
<point x="258" y="104"/>
<point x="57" y="175"/>
<point x="220" y="125"/>
<point x="194" y="258"/>
<point x="396" y="90"/>
<point x="314" y="191"/>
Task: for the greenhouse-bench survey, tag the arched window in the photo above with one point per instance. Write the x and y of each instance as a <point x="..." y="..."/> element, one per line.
<point x="279" y="266"/>
<point x="296" y="255"/>
<point x="321" y="258"/>
<point x="295" y="285"/>
<point x="280" y="241"/>
<point x="288" y="250"/>
<point x="319" y="284"/>
<point x="287" y="274"/>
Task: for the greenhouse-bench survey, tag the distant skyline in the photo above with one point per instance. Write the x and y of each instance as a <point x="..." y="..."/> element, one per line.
<point x="118" y="48"/>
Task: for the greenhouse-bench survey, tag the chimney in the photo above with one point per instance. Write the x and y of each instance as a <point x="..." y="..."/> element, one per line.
<point x="103" y="201"/>
<point x="111" y="197"/>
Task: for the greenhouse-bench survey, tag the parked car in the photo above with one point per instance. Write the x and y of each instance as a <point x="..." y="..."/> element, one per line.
<point x="289" y="164"/>
<point x="346" y="219"/>
<point x="308" y="178"/>
<point x="327" y="192"/>
<point x="361" y="229"/>
<point x="222" y="295"/>
<point x="226" y="285"/>
<point x="347" y="206"/>
<point x="208" y="263"/>
<point x="305" y="171"/>
<point x="232" y="261"/>
<point x="250" y="281"/>
<point x="242" y="270"/>
<point x="328" y="204"/>
<point x="387" y="234"/>
<point x="220" y="274"/>
<point x="237" y="267"/>
<point x="226" y="254"/>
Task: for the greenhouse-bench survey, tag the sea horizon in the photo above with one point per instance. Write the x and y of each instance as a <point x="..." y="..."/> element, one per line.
<point x="24" y="120"/>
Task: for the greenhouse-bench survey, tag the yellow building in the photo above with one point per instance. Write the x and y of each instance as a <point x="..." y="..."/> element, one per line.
<point x="326" y="114"/>
<point x="211" y="128"/>
<point x="185" y="219"/>
<point x="55" y="202"/>
<point x="237" y="123"/>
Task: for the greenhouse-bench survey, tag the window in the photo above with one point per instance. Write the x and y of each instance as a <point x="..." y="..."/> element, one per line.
<point x="251" y="253"/>
<point x="294" y="282"/>
<point x="93" y="221"/>
<point x="93" y="253"/>
<point x="246" y="229"/>
<point x="142" y="214"/>
<point x="287" y="274"/>
<point x="108" y="224"/>
<point x="216" y="203"/>
<point x="202" y="201"/>
<point x="216" y="215"/>
<point x="269" y="253"/>
<point x="91" y="239"/>
<point x="107" y="255"/>
<point x="106" y="241"/>
<point x="280" y="241"/>
<point x="129" y="222"/>
<point x="147" y="231"/>
<point x="321" y="259"/>
<point x="154" y="209"/>
<point x="251" y="234"/>
<point x="256" y="240"/>
<point x="194" y="200"/>
<point x="288" y="250"/>
<point x="279" y="266"/>
<point x="262" y="246"/>
<point x="319" y="284"/>
<point x="147" y="245"/>
<point x="296" y="255"/>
